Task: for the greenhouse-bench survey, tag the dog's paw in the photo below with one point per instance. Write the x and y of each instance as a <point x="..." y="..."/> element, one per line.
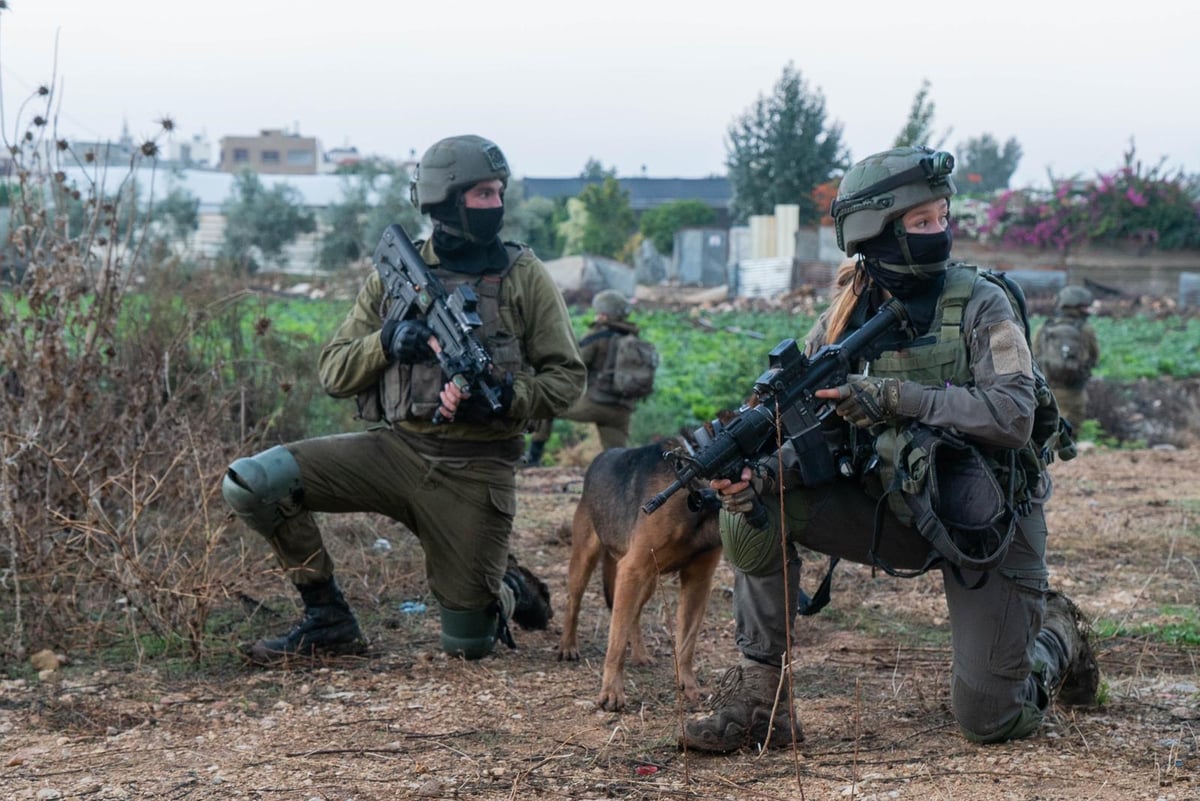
<point x="612" y="699"/>
<point x="568" y="654"/>
<point x="690" y="690"/>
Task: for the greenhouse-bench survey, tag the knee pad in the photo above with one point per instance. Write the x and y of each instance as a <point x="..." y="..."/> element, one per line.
<point x="254" y="486"/>
<point x="749" y="549"/>
<point x="469" y="633"/>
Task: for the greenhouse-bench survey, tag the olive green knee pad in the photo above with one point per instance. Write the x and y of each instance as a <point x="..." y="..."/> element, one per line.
<point x="469" y="633"/>
<point x="752" y="550"/>
<point x="254" y="486"/>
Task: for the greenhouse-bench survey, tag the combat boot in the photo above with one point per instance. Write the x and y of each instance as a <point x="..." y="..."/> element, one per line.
<point x="328" y="626"/>
<point x="741" y="716"/>
<point x="533" y="457"/>
<point x="533" y="596"/>
<point x="1079" y="681"/>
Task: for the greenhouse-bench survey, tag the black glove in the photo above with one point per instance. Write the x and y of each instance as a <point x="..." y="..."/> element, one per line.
<point x="407" y="341"/>
<point x="476" y="409"/>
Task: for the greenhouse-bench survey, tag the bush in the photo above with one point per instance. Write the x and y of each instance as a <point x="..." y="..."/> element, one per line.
<point x="126" y="390"/>
<point x="1136" y="205"/>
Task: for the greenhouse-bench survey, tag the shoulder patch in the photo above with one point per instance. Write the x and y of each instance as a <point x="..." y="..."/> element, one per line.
<point x="1010" y="354"/>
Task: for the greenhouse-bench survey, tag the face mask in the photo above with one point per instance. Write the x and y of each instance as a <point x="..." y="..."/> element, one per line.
<point x="483" y="225"/>
<point x="930" y="248"/>
<point x="924" y="248"/>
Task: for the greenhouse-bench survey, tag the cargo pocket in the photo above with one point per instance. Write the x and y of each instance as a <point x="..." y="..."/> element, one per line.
<point x="1012" y="646"/>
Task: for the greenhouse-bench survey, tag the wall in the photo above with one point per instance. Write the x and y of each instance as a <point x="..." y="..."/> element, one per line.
<point x="1129" y="270"/>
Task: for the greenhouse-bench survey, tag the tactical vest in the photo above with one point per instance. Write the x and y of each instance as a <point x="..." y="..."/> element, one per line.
<point x="410" y="391"/>
<point x="941" y="359"/>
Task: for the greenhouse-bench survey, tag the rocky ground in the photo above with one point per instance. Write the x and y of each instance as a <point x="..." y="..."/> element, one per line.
<point x="871" y="672"/>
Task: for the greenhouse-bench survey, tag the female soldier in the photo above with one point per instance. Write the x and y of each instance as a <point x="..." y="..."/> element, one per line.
<point x="963" y="365"/>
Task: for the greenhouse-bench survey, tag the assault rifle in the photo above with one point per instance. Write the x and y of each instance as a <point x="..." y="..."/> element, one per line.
<point x="416" y="292"/>
<point x="788" y="386"/>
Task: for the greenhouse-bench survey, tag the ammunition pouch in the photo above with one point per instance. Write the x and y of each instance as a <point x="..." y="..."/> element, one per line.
<point x="951" y="492"/>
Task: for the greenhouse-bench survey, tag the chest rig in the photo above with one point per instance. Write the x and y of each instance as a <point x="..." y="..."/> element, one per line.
<point x="409" y="392"/>
<point x="941" y="359"/>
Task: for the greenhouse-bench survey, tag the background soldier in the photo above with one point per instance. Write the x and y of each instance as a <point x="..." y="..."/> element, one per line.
<point x="602" y="404"/>
<point x="1067" y="349"/>
<point x="452" y="484"/>
<point x="963" y="364"/>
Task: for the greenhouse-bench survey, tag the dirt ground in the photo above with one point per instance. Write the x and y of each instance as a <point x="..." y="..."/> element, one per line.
<point x="871" y="672"/>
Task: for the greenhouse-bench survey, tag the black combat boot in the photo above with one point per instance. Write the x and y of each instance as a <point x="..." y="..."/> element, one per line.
<point x="1075" y="679"/>
<point x="328" y="626"/>
<point x="534" y="457"/>
<point x="749" y="710"/>
<point x="533" y="596"/>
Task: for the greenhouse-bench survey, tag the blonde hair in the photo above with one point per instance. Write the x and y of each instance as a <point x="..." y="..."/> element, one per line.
<point x="849" y="282"/>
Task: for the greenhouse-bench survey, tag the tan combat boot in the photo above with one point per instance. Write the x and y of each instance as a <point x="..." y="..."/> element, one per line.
<point x="742" y="713"/>
<point x="1080" y="681"/>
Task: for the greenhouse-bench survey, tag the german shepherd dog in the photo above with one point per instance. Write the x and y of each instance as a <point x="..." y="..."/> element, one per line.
<point x="637" y="548"/>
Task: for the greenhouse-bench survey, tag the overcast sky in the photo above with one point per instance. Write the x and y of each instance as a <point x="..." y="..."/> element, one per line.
<point x="652" y="84"/>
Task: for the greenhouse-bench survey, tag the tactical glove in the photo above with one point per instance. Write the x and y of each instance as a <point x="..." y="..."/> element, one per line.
<point x="867" y="400"/>
<point x="407" y="341"/>
<point x="762" y="484"/>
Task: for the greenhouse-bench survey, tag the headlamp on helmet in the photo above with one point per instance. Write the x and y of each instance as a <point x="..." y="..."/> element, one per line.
<point x="882" y="187"/>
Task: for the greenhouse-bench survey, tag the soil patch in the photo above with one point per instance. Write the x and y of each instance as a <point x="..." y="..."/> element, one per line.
<point x="871" y="671"/>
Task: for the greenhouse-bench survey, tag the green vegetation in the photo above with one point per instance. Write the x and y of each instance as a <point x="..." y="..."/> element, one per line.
<point x="1177" y="625"/>
<point x="1141" y="347"/>
<point x="780" y="148"/>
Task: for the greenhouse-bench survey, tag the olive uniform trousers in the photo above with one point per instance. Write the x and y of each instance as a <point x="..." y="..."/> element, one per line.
<point x="995" y="692"/>
<point x="460" y="510"/>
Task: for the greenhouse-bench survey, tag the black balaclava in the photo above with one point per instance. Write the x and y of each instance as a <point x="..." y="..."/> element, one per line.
<point x="912" y="267"/>
<point x="468" y="240"/>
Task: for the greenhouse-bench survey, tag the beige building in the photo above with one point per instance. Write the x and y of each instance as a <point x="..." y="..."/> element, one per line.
<point x="272" y="152"/>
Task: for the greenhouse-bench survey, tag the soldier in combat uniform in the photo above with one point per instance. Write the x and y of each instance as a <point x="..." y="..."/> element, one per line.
<point x="963" y="364"/>
<point x="452" y="484"/>
<point x="1067" y="350"/>
<point x="610" y="412"/>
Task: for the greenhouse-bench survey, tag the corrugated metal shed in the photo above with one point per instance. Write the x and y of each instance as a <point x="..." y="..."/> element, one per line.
<point x="763" y="278"/>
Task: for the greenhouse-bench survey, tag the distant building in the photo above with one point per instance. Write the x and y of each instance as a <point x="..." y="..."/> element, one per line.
<point x="118" y="153"/>
<point x="194" y="152"/>
<point x="646" y="193"/>
<point x="340" y="157"/>
<point x="272" y="152"/>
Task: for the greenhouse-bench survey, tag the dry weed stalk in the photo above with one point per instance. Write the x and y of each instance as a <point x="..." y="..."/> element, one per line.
<point x="114" y="425"/>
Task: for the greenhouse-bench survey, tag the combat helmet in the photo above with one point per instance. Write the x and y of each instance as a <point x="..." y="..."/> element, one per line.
<point x="882" y="187"/>
<point x="453" y="164"/>
<point x="1074" y="296"/>
<point x="611" y="303"/>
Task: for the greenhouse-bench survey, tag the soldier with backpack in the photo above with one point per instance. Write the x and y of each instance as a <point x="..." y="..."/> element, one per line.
<point x="946" y="433"/>
<point x="1067" y="349"/>
<point x="621" y="367"/>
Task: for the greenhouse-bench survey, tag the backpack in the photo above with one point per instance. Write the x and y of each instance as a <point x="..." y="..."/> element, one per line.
<point x="1052" y="434"/>
<point x="629" y="371"/>
<point x="1060" y="351"/>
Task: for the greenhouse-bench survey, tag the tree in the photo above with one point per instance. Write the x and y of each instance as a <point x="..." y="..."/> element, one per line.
<point x="780" y="148"/>
<point x="983" y="166"/>
<point x="533" y="221"/>
<point x="609" y="218"/>
<point x="660" y="224"/>
<point x="374" y="195"/>
<point x="918" y="130"/>
<point x="178" y="213"/>
<point x="593" y="170"/>
<point x="260" y="222"/>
